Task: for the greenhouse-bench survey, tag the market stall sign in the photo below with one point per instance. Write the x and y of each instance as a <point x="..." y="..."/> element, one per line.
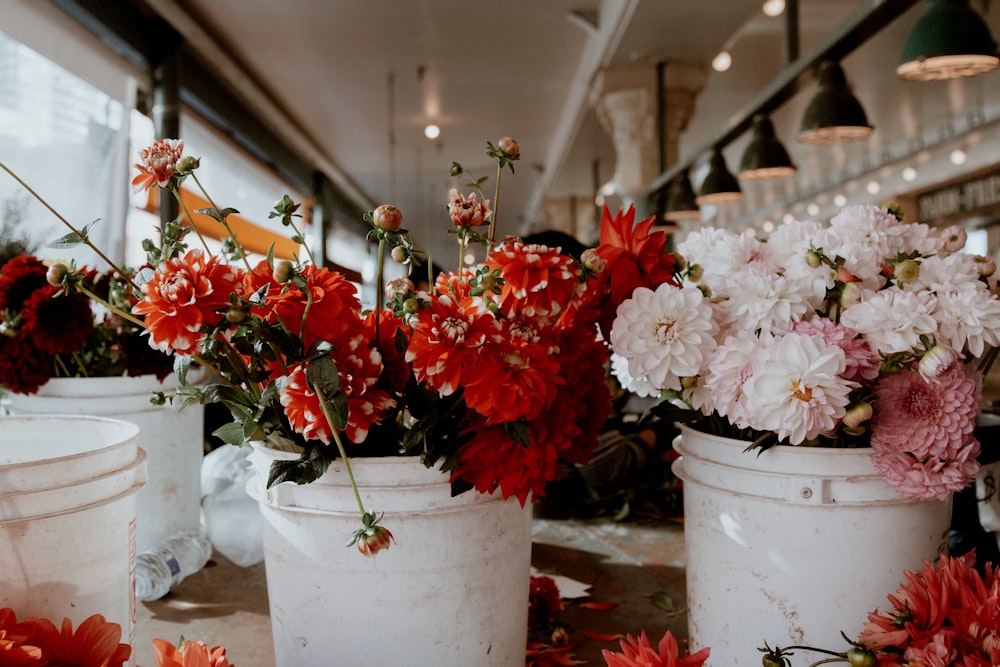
<point x="960" y="198"/>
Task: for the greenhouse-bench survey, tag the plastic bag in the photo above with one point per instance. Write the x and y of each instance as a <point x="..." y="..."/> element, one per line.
<point x="230" y="516"/>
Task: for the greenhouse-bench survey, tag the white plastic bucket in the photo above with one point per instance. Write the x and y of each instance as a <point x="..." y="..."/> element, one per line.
<point x="793" y="546"/>
<point x="68" y="486"/>
<point x="452" y="591"/>
<point x="173" y="440"/>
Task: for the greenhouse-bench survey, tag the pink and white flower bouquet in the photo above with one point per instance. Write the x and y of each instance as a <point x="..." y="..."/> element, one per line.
<point x="864" y="332"/>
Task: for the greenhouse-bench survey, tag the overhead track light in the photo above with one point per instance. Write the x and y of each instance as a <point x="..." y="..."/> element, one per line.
<point x="719" y="186"/>
<point x="949" y="41"/>
<point x="834" y="115"/>
<point x="680" y="202"/>
<point x="765" y="157"/>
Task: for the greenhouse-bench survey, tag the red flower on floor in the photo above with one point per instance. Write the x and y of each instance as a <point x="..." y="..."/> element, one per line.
<point x="639" y="652"/>
<point x="190" y="654"/>
<point x="17" y="648"/>
<point x="95" y="643"/>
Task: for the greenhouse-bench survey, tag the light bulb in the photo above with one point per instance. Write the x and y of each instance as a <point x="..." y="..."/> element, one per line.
<point x="774" y="7"/>
<point x="909" y="174"/>
<point x="722" y="62"/>
<point x="839" y="200"/>
<point x="957" y="156"/>
<point x="813" y="209"/>
<point x="432" y="131"/>
<point x="873" y="187"/>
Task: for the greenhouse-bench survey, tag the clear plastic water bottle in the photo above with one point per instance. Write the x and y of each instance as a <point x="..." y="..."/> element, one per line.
<point x="180" y="556"/>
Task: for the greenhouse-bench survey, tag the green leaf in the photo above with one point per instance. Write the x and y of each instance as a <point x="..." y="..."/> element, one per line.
<point x="304" y="470"/>
<point x="70" y="240"/>
<point x="322" y="375"/>
<point x="231" y="433"/>
<point x="663" y="601"/>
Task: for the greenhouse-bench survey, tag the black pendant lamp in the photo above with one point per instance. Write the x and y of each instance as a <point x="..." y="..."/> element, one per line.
<point x="719" y="186"/>
<point x="680" y="202"/>
<point x="834" y="115"/>
<point x="765" y="157"/>
<point x="949" y="41"/>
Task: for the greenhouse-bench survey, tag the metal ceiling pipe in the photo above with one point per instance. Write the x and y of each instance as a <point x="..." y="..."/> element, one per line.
<point x="860" y="26"/>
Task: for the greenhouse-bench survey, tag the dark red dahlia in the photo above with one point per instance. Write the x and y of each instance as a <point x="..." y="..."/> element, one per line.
<point x="23" y="367"/>
<point x="57" y="324"/>
<point x="19" y="279"/>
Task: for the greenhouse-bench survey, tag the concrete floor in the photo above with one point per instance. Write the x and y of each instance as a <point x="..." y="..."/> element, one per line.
<point x="637" y="566"/>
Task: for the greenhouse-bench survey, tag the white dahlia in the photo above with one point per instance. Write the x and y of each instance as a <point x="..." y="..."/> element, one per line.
<point x="891" y="320"/>
<point x="797" y="388"/>
<point x="665" y="335"/>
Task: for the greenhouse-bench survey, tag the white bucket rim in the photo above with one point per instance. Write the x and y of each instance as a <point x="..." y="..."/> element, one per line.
<point x="785" y="474"/>
<point x="125" y="439"/>
<point x="412" y="487"/>
<point x="77" y="496"/>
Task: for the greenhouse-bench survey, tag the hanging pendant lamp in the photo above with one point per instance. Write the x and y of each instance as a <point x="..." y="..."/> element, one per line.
<point x="834" y="115"/>
<point x="765" y="157"/>
<point x="719" y="186"/>
<point x="949" y="41"/>
<point x="680" y="201"/>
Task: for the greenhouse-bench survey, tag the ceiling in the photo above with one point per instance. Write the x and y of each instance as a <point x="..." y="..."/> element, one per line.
<point x="352" y="83"/>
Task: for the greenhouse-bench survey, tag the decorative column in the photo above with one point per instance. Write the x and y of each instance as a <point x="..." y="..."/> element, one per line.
<point x="625" y="102"/>
<point x="628" y="103"/>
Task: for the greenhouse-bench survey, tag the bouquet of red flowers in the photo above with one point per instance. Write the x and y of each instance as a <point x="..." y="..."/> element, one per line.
<point x="47" y="331"/>
<point x="495" y="373"/>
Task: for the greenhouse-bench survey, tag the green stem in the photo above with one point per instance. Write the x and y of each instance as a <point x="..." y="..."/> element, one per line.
<point x="379" y="287"/>
<point x="225" y="223"/>
<point x="496" y="204"/>
<point x="340" y="448"/>
<point x="461" y="252"/>
<point x="175" y="191"/>
<point x="312" y="259"/>
<point x="86" y="241"/>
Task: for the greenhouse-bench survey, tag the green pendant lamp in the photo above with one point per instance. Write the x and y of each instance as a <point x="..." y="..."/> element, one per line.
<point x="950" y="40"/>
<point x="680" y="202"/>
<point x="765" y="157"/>
<point x="719" y="186"/>
<point x="834" y="115"/>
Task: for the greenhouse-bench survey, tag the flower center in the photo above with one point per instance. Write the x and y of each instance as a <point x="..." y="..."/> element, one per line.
<point x="453" y="329"/>
<point x="800" y="392"/>
<point x="920" y="403"/>
<point x="665" y="330"/>
<point x="515" y="360"/>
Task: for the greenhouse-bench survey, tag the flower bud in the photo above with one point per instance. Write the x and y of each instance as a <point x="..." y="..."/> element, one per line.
<point x="187" y="164"/>
<point x="906" y="271"/>
<point x="813" y="260"/>
<point x="510" y="147"/>
<point x="985" y="265"/>
<point x="374" y="539"/>
<point x="850" y="294"/>
<point x="592" y="261"/>
<point x="936" y="361"/>
<point x="411" y="305"/>
<point x="283" y="271"/>
<point x="235" y="315"/>
<point x="954" y="238"/>
<point x="857" y="415"/>
<point x="399" y="254"/>
<point x="400" y="286"/>
<point x="387" y="217"/>
<point x="696" y="272"/>
<point x="56" y="274"/>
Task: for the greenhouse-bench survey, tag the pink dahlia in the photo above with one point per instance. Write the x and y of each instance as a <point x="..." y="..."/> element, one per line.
<point x="159" y="163"/>
<point x="862" y="363"/>
<point x="926" y="419"/>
